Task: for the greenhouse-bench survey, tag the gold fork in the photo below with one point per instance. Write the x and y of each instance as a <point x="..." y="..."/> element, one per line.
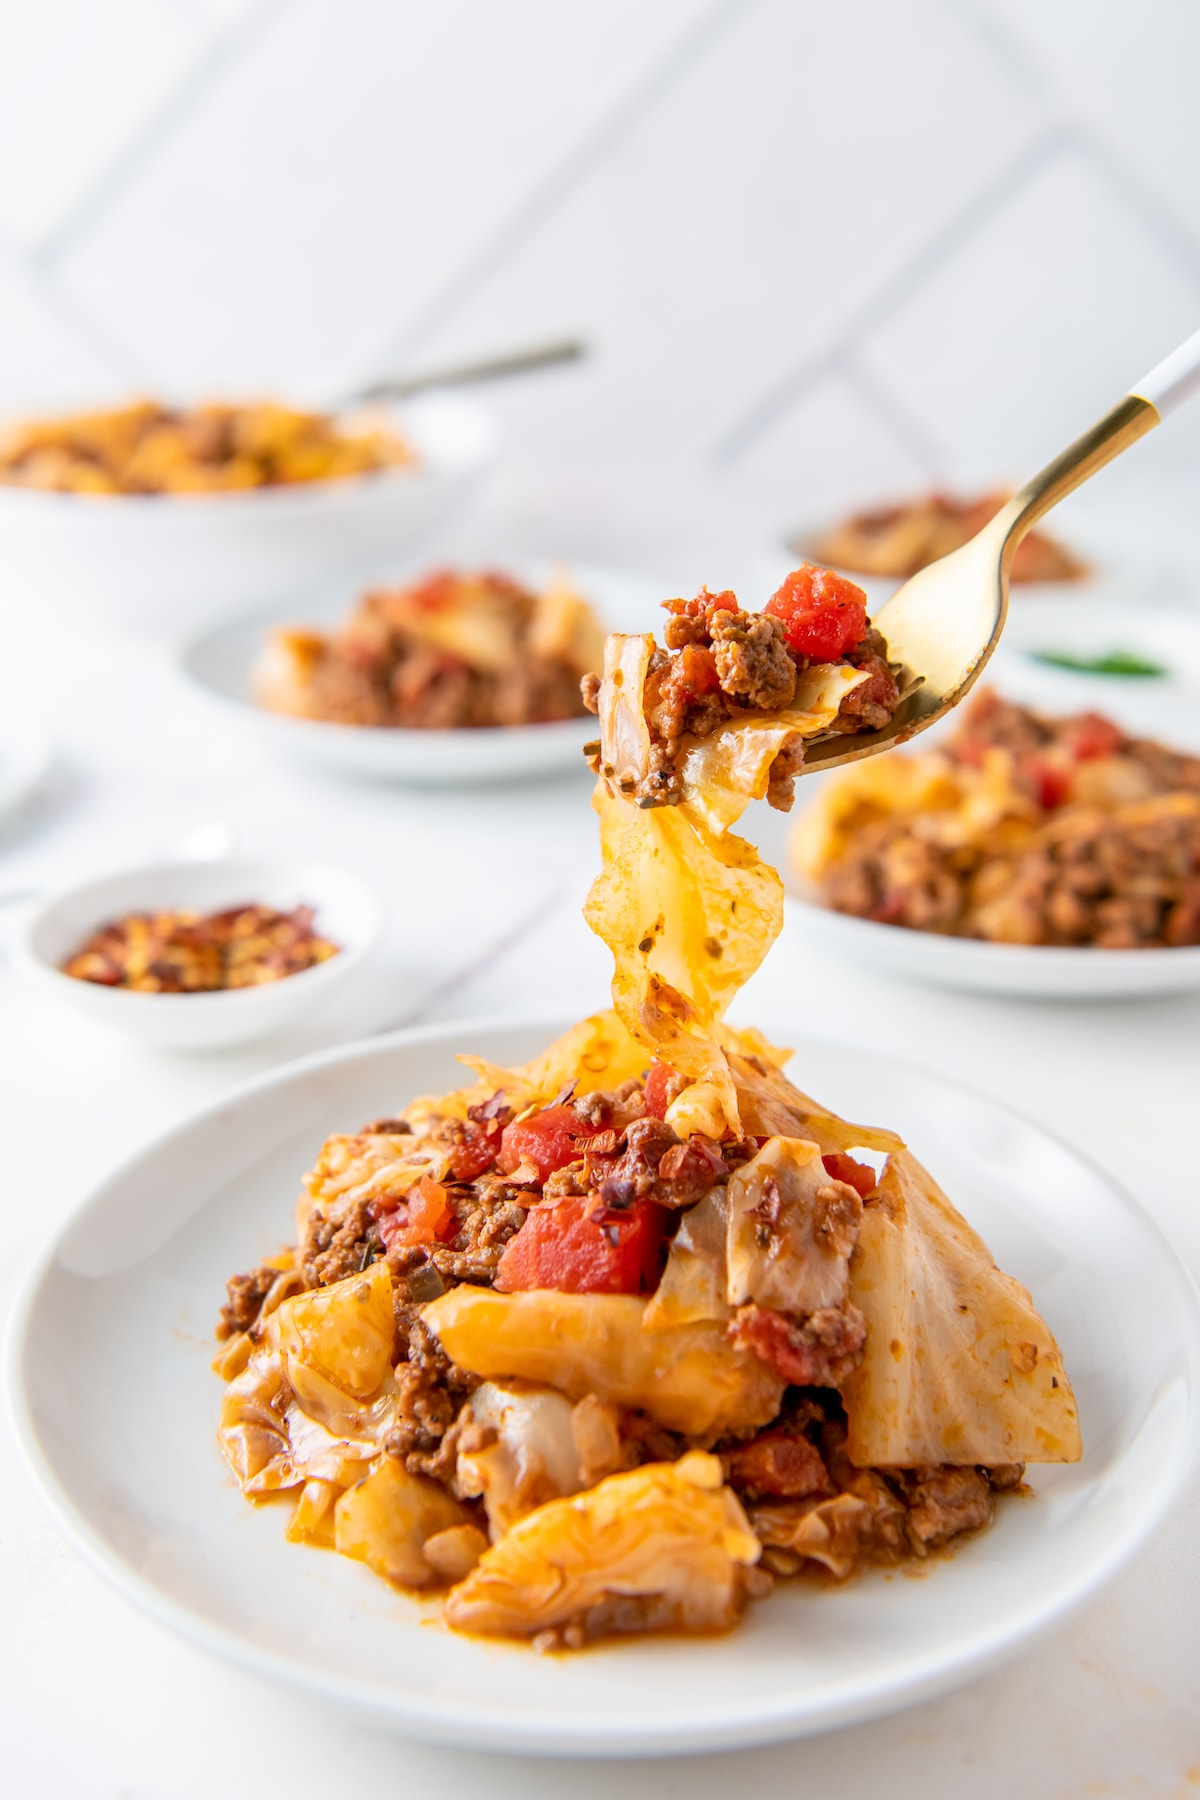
<point x="946" y="620"/>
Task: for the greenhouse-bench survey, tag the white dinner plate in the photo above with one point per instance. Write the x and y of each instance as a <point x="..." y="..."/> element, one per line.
<point x="220" y="663"/>
<point x="131" y="1284"/>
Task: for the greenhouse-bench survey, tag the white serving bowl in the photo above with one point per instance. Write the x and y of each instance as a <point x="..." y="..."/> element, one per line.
<point x="347" y="911"/>
<point x="163" y="561"/>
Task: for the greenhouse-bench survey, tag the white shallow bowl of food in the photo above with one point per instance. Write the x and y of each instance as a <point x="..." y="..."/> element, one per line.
<point x="347" y="912"/>
<point x="220" y="663"/>
<point x="1021" y="971"/>
<point x="162" y="561"/>
<point x="128" y="1284"/>
<point x="1166" y="707"/>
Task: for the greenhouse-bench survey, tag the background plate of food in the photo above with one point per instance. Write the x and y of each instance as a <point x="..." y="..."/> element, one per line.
<point x="130" y="1286"/>
<point x="1047" y="841"/>
<point x="155" y="517"/>
<point x="881" y="546"/>
<point x="440" y="676"/>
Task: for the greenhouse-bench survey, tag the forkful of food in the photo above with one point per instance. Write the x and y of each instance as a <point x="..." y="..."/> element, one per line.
<point x="736" y="704"/>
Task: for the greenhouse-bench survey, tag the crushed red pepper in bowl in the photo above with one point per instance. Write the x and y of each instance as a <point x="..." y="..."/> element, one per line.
<point x="186" y="952"/>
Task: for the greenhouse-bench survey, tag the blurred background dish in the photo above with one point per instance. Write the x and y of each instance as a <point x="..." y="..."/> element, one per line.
<point x="345" y="910"/>
<point x="898" y="539"/>
<point x="213" y="448"/>
<point x="226" y="665"/>
<point x="881" y="545"/>
<point x="1079" y="824"/>
<point x="455" y="649"/>
<point x="165" y="560"/>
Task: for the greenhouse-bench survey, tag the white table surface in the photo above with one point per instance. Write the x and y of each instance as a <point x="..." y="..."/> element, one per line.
<point x="96" y="1701"/>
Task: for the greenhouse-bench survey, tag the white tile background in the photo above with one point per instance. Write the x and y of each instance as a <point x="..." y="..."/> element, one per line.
<point x="819" y="250"/>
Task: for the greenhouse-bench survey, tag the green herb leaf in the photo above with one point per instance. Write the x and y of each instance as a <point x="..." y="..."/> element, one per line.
<point x="1113" y="662"/>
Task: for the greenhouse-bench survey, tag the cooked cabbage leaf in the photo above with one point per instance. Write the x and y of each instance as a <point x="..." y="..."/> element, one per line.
<point x="836" y="1531"/>
<point x="530" y="1456"/>
<point x="253" y="1430"/>
<point x="771" y="1106"/>
<point x="668" y="1537"/>
<point x="690" y="1378"/>
<point x="791" y="1230"/>
<point x="387" y="1518"/>
<point x="271" y="1443"/>
<point x="596" y="1053"/>
<point x="958" y="1366"/>
<point x="721" y="774"/>
<point x="312" y="1516"/>
<point x="695" y="1280"/>
<point x="688" y="917"/>
<point x="624" y="731"/>
<point x="345" y="1332"/>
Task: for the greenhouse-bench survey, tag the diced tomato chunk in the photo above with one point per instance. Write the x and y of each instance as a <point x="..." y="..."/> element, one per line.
<point x="422" y="1216"/>
<point x="694" y="672"/>
<point x="435" y="593"/>
<point x="472" y="1154"/>
<point x="823" y="614"/>
<point x="1050" y="784"/>
<point x="546" y="1139"/>
<point x="659" y="1083"/>
<point x="566" y="1248"/>
<point x="860" y="1176"/>
<point x="1093" y="735"/>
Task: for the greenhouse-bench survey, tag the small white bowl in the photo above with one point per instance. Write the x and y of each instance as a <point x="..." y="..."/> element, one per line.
<point x="164" y="561"/>
<point x="347" y="912"/>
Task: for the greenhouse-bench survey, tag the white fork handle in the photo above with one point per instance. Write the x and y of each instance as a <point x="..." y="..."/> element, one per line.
<point x="1174" y="380"/>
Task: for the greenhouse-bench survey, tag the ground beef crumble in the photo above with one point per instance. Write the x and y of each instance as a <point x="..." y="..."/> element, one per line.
<point x="246" y="1295"/>
<point x="753" y="663"/>
<point x="781" y="1462"/>
<point x="431" y="1412"/>
<point x="329" y="1252"/>
<point x="942" y="1502"/>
